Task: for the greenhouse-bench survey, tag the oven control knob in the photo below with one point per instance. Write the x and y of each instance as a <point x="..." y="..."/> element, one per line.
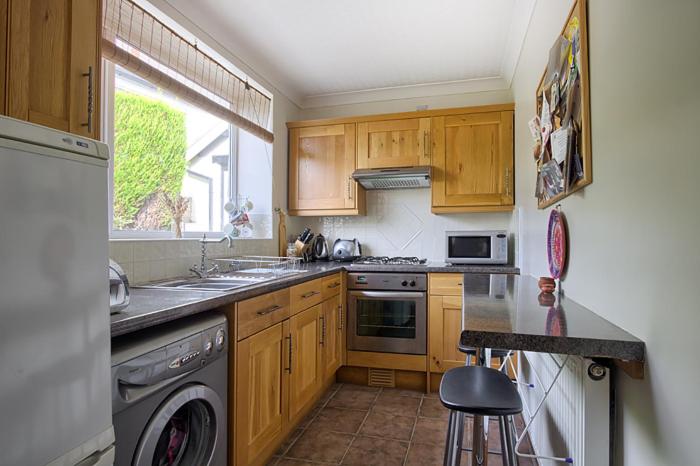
<point x="404" y="283"/>
<point x="413" y="283"/>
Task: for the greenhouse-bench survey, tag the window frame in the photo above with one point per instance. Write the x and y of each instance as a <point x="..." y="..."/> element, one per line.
<point x="107" y="118"/>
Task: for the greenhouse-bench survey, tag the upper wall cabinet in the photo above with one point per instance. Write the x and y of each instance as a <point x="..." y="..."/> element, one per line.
<point x="393" y="143"/>
<point x="470" y="151"/>
<point x="472" y="162"/>
<point x="53" y="63"/>
<point x="321" y="162"/>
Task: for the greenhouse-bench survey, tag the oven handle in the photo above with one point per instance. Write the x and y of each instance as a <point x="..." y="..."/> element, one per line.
<point x="389" y="294"/>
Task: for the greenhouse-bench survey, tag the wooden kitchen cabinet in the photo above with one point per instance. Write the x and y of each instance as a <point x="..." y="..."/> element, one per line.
<point x="472" y="159"/>
<point x="305" y="379"/>
<point x="53" y="63"/>
<point x="261" y="393"/>
<point x="393" y="143"/>
<point x="331" y="337"/>
<point x="4" y="20"/>
<point x="321" y="162"/>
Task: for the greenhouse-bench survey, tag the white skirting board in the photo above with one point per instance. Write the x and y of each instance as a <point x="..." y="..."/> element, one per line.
<point x="575" y="419"/>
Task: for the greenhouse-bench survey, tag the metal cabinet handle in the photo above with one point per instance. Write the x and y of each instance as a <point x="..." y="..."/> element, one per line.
<point x="268" y="310"/>
<point x="334" y="285"/>
<point x="289" y="369"/>
<point x="310" y="294"/>
<point x="340" y="317"/>
<point x="90" y="99"/>
<point x="322" y="340"/>
<point x="426" y="144"/>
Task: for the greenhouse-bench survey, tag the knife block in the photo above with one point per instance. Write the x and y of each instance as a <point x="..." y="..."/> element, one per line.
<point x="303" y="250"/>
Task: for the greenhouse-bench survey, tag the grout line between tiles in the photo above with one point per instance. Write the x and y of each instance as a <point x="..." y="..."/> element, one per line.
<point x="356" y="434"/>
<point x="413" y="430"/>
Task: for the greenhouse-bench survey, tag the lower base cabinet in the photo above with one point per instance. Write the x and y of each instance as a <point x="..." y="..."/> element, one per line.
<point x="305" y="374"/>
<point x="331" y="337"/>
<point x="261" y="405"/>
<point x="281" y="371"/>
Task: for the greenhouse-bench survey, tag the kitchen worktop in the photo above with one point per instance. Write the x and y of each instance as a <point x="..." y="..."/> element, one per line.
<point x="504" y="311"/>
<point x="153" y="306"/>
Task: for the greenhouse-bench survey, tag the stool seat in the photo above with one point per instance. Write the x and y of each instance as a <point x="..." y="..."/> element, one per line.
<point x="479" y="390"/>
<point x="495" y="353"/>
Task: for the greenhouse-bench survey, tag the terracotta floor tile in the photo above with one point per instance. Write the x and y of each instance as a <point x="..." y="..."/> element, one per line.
<point x="402" y="392"/>
<point x="376" y="452"/>
<point x="430" y="431"/>
<point x="291" y="438"/>
<point x="397" y="405"/>
<point x="432" y="407"/>
<point x="348" y="396"/>
<point x="320" y="445"/>
<point x="425" y="455"/>
<point x="339" y="420"/>
<point x="309" y="417"/>
<point x="381" y="424"/>
<point x="293" y="462"/>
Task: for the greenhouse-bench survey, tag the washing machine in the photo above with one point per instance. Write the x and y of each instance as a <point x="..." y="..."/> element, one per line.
<point x="169" y="390"/>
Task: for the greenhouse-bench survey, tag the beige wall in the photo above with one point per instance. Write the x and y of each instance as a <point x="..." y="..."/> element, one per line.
<point x="634" y="232"/>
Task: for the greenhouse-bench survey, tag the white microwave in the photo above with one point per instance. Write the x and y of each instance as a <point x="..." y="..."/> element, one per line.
<point x="476" y="247"/>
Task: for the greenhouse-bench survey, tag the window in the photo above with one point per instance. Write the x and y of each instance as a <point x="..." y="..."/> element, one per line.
<point x="178" y="171"/>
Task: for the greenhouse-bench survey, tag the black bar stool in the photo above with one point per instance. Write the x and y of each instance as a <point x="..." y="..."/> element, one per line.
<point x="480" y="391"/>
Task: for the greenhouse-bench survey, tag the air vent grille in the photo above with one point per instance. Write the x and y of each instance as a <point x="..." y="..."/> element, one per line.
<point x="381" y="378"/>
<point x="394" y="183"/>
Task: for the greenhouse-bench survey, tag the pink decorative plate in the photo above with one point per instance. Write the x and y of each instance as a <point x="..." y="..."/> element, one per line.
<point x="556" y="244"/>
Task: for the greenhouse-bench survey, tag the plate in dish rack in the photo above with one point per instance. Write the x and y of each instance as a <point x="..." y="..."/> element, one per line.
<point x="556" y="243"/>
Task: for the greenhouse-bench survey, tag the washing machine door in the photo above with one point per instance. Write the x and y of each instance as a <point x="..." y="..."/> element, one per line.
<point x="184" y="430"/>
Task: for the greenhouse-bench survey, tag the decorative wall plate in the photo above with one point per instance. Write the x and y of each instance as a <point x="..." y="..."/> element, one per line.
<point x="556" y="244"/>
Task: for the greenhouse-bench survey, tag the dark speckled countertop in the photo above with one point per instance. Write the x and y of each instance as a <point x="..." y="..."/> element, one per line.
<point x="504" y="311"/>
<point x="152" y="306"/>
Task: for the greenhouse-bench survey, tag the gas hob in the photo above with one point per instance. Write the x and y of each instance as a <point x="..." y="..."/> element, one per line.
<point x="384" y="260"/>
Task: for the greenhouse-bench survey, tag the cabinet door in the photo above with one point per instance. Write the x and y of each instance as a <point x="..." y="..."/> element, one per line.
<point x="393" y="143"/>
<point x="321" y="162"/>
<point x="445" y="324"/>
<point x="305" y="376"/>
<point x="472" y="161"/>
<point x="331" y="337"/>
<point x="260" y="398"/>
<point x="53" y="46"/>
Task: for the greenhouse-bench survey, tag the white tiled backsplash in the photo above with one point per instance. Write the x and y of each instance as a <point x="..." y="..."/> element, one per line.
<point x="399" y="223"/>
<point x="149" y="260"/>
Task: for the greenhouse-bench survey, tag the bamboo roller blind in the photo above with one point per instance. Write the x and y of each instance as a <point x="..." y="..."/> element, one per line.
<point x="136" y="40"/>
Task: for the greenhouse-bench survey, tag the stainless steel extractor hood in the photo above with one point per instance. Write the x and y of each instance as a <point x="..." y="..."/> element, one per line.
<point x="393" y="178"/>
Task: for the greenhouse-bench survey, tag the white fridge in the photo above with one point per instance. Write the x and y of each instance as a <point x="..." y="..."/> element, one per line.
<point x="55" y="401"/>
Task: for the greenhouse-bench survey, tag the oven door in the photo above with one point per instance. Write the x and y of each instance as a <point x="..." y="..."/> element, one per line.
<point x="387" y="321"/>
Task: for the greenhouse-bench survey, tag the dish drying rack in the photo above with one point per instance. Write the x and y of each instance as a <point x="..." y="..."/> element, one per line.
<point x="259" y="265"/>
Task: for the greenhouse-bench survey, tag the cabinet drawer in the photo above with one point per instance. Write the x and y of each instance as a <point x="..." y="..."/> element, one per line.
<point x="331" y="286"/>
<point x="258" y="313"/>
<point x="305" y="295"/>
<point x="445" y="284"/>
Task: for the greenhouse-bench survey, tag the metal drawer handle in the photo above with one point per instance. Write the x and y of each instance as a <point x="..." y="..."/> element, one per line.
<point x="268" y="310"/>
<point x="289" y="369"/>
<point x="310" y="294"/>
<point x="90" y="99"/>
<point x="334" y="285"/>
<point x="322" y="340"/>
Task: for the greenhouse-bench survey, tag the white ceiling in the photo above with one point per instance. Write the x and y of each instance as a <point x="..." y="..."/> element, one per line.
<point x="331" y="52"/>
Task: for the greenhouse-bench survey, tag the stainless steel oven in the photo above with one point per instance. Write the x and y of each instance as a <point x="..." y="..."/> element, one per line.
<point x="387" y="312"/>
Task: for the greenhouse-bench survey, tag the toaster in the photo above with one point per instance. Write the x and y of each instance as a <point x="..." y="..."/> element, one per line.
<point x="118" y="288"/>
<point x="346" y="250"/>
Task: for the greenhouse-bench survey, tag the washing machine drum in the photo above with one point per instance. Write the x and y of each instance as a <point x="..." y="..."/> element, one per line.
<point x="183" y="430"/>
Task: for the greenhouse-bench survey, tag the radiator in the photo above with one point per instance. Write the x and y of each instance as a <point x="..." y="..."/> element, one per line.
<point x="574" y="421"/>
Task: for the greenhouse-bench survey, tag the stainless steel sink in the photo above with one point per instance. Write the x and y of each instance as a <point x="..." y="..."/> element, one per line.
<point x="211" y="283"/>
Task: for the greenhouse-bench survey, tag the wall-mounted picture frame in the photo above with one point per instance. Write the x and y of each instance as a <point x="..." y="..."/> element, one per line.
<point x="562" y="127"/>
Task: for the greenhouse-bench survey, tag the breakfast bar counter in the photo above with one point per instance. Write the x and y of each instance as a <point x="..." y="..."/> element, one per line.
<point x="509" y="312"/>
